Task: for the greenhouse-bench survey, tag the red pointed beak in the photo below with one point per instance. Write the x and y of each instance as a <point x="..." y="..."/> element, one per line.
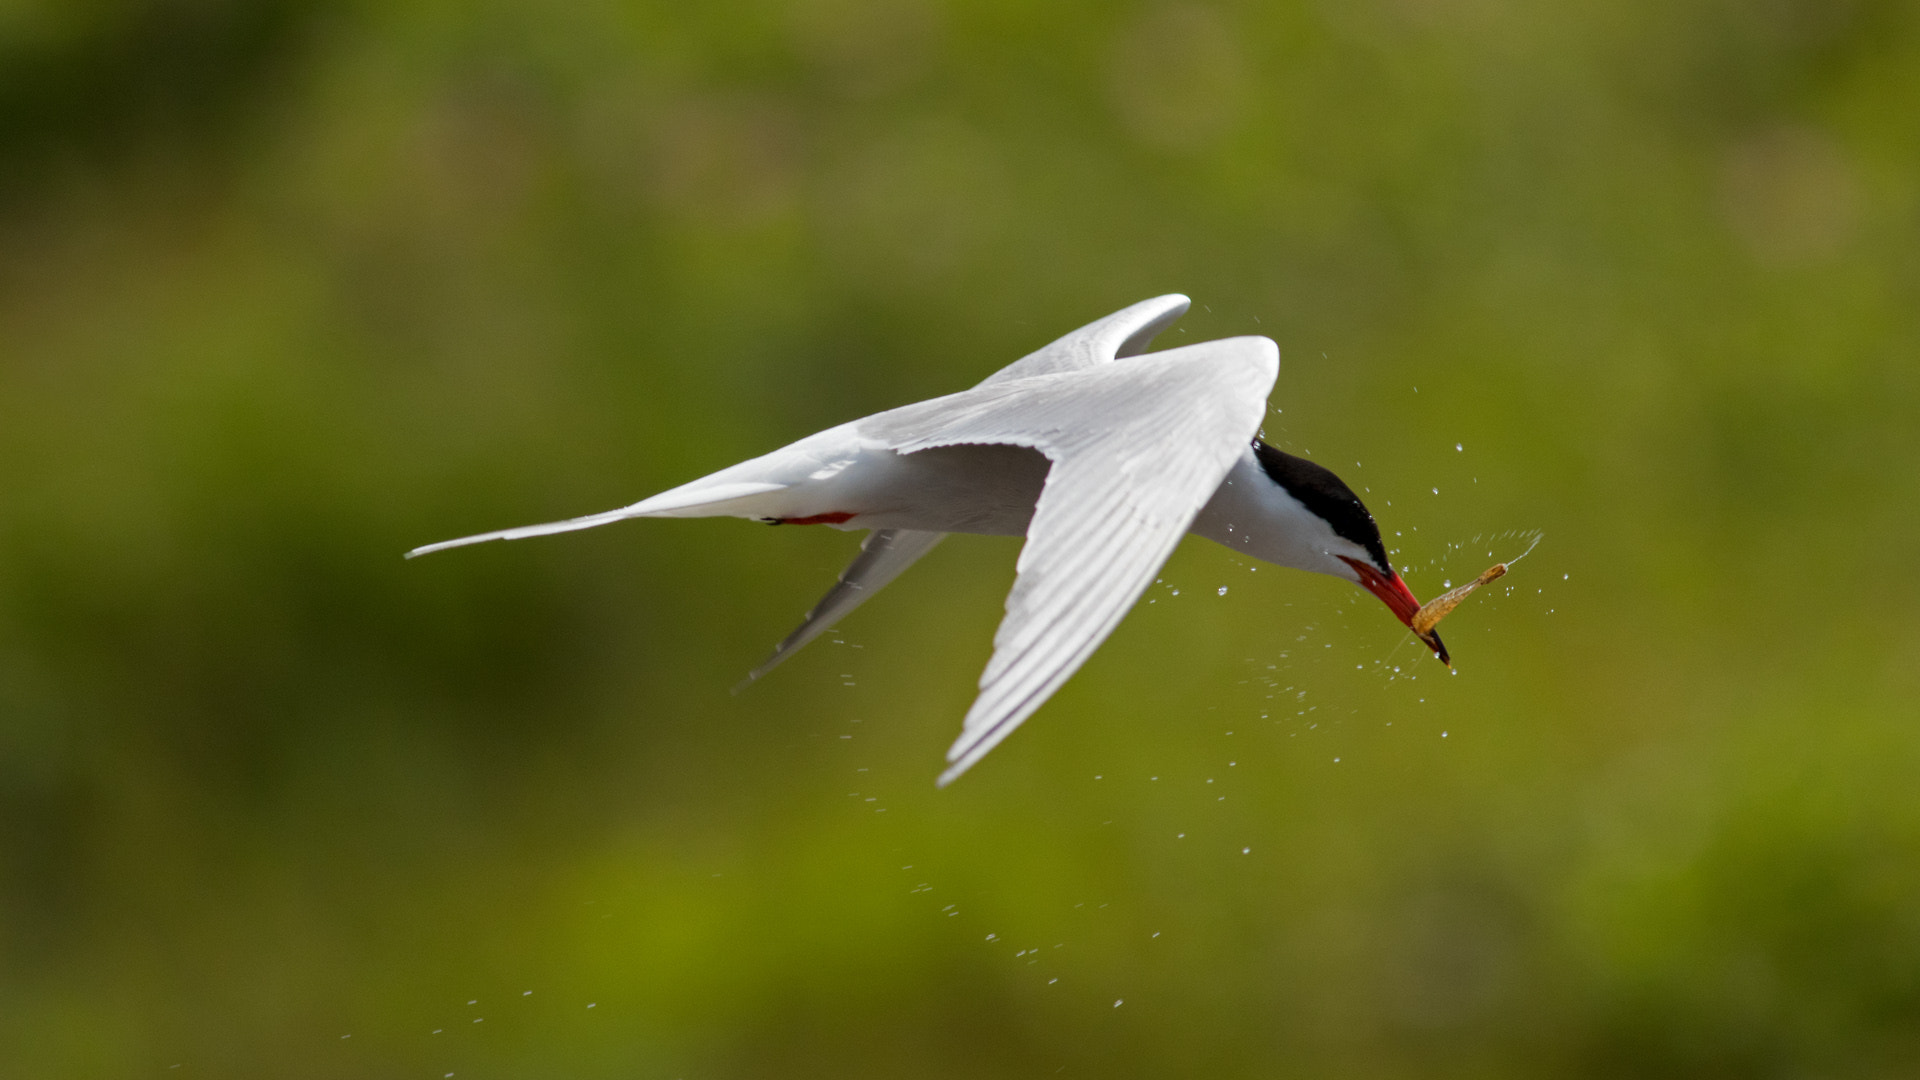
<point x="1399" y="599"/>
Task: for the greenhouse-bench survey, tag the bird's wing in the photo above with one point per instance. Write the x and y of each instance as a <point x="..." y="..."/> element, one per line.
<point x="1126" y="332"/>
<point x="884" y="555"/>
<point x="1137" y="451"/>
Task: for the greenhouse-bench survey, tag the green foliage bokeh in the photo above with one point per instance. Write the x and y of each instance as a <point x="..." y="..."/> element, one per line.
<point x="289" y="287"/>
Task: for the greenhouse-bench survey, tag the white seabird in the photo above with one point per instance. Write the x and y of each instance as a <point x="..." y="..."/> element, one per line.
<point x="1101" y="454"/>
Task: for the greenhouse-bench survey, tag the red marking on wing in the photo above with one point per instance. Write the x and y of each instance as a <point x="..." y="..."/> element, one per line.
<point x="838" y="517"/>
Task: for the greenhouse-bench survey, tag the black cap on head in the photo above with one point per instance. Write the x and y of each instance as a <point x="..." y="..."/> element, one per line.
<point x="1327" y="496"/>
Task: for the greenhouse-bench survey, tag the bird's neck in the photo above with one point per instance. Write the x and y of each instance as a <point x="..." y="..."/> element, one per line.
<point x="1255" y="516"/>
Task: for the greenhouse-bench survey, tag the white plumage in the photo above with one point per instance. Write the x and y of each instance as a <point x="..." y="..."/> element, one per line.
<point x="1101" y="456"/>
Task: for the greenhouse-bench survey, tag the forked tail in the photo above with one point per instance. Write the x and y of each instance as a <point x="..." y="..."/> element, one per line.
<point x="706" y="499"/>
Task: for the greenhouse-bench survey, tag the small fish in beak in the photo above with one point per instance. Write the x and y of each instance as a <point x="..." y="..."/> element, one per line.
<point x="1431" y="612"/>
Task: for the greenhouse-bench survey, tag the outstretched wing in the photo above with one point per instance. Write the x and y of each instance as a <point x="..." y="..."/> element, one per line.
<point x="1137" y="451"/>
<point x="1126" y="332"/>
<point x="887" y="553"/>
<point x="884" y="555"/>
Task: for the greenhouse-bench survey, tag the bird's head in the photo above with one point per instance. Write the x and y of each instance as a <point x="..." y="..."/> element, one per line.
<point x="1349" y="546"/>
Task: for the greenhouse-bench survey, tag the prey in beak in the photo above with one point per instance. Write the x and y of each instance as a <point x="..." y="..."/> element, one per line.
<point x="1399" y="599"/>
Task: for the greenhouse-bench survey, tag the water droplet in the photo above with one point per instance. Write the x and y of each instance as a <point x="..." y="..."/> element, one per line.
<point x="1223" y="590"/>
<point x="1457" y="446"/>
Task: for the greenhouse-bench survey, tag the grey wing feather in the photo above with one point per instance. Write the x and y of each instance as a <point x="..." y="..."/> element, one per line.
<point x="1137" y="449"/>
<point x="1126" y="332"/>
<point x="884" y="555"/>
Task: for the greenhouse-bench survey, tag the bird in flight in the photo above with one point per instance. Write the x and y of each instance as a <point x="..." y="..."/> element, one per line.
<point x="1101" y="454"/>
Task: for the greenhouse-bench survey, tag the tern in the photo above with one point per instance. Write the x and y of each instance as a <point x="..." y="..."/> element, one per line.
<point x="1102" y="454"/>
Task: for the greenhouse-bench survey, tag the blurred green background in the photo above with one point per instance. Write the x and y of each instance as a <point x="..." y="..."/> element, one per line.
<point x="290" y="286"/>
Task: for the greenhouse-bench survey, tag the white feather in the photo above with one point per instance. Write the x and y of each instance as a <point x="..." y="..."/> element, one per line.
<point x="1127" y="456"/>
